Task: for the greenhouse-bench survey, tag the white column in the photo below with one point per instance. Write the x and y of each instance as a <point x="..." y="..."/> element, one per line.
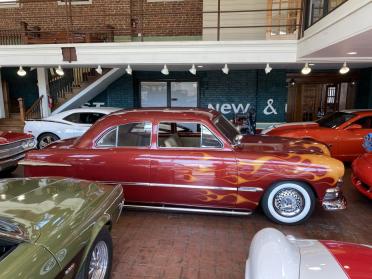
<point x="2" y="107"/>
<point x="43" y="84"/>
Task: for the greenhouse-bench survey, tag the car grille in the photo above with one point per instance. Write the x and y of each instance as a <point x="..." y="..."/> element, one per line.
<point x="11" y="149"/>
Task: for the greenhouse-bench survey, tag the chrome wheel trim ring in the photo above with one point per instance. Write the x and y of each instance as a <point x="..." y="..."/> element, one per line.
<point x="45" y="141"/>
<point x="99" y="261"/>
<point x="288" y="202"/>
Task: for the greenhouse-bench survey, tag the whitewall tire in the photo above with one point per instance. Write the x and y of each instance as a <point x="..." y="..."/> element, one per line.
<point x="289" y="202"/>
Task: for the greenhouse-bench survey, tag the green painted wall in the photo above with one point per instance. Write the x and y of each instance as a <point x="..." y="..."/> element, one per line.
<point x="25" y="87"/>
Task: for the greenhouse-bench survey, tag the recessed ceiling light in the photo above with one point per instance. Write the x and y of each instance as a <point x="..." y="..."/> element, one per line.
<point x="311" y="64"/>
<point x="352" y="53"/>
<point x="200" y="66"/>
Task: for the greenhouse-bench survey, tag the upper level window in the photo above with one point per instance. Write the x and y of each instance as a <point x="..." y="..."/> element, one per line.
<point x="128" y="135"/>
<point x="75" y="2"/>
<point x="173" y="135"/>
<point x="9" y="3"/>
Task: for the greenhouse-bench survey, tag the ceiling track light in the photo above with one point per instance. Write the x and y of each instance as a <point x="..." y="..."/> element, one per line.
<point x="306" y="69"/>
<point x="344" y="69"/>
<point x="99" y="70"/>
<point x="268" y="69"/>
<point x="21" y="72"/>
<point x="59" y="71"/>
<point x="192" y="70"/>
<point x="165" y="70"/>
<point x="129" y="70"/>
<point x="225" y="69"/>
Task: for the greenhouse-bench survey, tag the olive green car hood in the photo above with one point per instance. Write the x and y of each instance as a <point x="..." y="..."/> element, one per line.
<point x="37" y="205"/>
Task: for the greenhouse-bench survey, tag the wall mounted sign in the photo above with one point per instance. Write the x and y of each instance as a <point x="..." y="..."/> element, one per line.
<point x="242" y="108"/>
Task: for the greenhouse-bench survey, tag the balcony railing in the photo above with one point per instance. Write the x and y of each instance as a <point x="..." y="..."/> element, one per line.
<point x="317" y="9"/>
<point x="255" y="20"/>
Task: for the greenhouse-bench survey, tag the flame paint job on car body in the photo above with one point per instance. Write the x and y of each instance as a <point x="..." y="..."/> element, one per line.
<point x="361" y="178"/>
<point x="210" y="177"/>
<point x="346" y="144"/>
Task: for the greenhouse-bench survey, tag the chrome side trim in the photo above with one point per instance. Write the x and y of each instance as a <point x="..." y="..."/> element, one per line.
<point x="186" y="209"/>
<point x="250" y="189"/>
<point x="40" y="163"/>
<point x="146" y="184"/>
<point x="194" y="187"/>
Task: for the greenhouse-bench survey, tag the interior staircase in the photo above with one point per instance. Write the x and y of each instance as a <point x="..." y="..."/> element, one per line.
<point x="12" y="123"/>
<point x="61" y="90"/>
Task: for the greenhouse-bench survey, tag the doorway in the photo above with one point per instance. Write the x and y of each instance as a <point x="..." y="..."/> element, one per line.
<point x="169" y="94"/>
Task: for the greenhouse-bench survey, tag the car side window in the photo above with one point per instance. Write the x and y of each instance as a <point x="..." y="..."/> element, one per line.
<point x="189" y="135"/>
<point x="365" y="122"/>
<point x="84" y="117"/>
<point x="128" y="135"/>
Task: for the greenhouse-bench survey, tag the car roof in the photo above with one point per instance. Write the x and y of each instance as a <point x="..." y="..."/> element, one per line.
<point x="105" y="110"/>
<point x="168" y="113"/>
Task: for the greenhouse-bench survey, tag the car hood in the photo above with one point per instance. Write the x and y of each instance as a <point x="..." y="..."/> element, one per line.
<point x="290" y="126"/>
<point x="9" y="137"/>
<point x="39" y="205"/>
<point x="272" y="144"/>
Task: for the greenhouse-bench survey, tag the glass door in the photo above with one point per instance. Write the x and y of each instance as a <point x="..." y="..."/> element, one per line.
<point x="154" y="94"/>
<point x="169" y="94"/>
<point x="184" y="94"/>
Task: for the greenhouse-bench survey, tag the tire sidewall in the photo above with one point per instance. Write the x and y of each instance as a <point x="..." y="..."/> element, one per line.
<point x="104" y="235"/>
<point x="306" y="192"/>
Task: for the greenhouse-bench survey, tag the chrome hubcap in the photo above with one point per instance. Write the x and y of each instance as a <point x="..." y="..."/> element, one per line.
<point x="45" y="141"/>
<point x="288" y="202"/>
<point x="99" y="261"/>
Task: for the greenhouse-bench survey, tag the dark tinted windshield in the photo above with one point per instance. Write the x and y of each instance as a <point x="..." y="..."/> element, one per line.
<point x="226" y="128"/>
<point x="335" y="119"/>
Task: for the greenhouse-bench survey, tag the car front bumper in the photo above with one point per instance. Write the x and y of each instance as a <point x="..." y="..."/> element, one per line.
<point x="11" y="161"/>
<point x="334" y="199"/>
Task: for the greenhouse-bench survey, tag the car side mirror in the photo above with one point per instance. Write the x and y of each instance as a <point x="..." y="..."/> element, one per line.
<point x="354" y="126"/>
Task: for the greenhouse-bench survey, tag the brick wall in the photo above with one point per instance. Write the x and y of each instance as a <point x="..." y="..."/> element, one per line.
<point x="223" y="92"/>
<point x="179" y="18"/>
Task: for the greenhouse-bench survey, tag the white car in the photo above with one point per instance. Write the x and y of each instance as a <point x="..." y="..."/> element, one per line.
<point x="273" y="255"/>
<point x="64" y="125"/>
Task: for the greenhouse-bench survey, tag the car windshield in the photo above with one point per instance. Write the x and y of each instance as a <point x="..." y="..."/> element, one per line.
<point x="335" y="119"/>
<point x="228" y="129"/>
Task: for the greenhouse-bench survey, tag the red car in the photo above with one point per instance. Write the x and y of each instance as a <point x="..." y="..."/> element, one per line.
<point x="12" y="149"/>
<point x="195" y="160"/>
<point x="361" y="178"/>
<point x="342" y="131"/>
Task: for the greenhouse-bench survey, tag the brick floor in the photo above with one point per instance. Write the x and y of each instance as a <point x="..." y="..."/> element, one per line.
<point x="168" y="245"/>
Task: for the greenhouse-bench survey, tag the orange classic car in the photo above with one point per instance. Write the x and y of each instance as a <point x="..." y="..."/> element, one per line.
<point x="342" y="131"/>
<point x="194" y="160"/>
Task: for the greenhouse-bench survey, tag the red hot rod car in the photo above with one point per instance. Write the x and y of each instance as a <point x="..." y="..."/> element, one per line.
<point x="195" y="160"/>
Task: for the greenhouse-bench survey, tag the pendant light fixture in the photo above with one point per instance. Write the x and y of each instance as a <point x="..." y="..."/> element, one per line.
<point x="192" y="70"/>
<point x="165" y="70"/>
<point x="268" y="69"/>
<point x="59" y="71"/>
<point x="225" y="69"/>
<point x="344" y="69"/>
<point x="306" y="69"/>
<point x="21" y="72"/>
<point x="99" y="70"/>
<point x="129" y="70"/>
